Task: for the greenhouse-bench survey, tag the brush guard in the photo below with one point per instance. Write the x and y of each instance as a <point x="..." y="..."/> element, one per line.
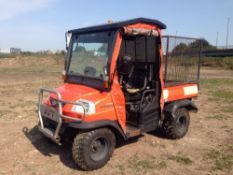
<point x="55" y="114"/>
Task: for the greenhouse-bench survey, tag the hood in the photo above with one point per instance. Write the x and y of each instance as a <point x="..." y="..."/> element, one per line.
<point x="73" y="92"/>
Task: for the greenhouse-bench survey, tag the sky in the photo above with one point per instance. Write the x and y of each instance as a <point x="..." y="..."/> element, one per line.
<point x="35" y="25"/>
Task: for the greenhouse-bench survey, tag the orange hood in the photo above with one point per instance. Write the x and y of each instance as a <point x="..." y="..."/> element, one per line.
<point x="73" y="92"/>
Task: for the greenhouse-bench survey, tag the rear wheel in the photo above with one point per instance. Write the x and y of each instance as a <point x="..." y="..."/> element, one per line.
<point x="176" y="127"/>
<point x="92" y="150"/>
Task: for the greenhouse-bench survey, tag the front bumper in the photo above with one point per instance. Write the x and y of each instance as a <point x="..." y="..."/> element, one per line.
<point x="54" y="114"/>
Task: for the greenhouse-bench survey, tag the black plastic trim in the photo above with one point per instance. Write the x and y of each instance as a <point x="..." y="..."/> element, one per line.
<point x="120" y="24"/>
<point x="173" y="106"/>
<point x="96" y="124"/>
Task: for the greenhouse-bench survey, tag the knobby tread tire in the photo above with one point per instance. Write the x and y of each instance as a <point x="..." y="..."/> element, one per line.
<point x="170" y="124"/>
<point x="81" y="144"/>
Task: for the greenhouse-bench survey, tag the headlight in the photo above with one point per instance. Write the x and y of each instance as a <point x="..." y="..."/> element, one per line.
<point x="89" y="107"/>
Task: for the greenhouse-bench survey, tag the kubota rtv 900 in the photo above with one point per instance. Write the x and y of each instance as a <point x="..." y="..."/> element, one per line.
<point x="120" y="82"/>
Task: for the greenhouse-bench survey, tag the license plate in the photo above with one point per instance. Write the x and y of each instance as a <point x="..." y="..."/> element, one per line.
<point x="49" y="113"/>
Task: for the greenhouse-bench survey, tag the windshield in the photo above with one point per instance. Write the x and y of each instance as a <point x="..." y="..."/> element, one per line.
<point x="90" y="53"/>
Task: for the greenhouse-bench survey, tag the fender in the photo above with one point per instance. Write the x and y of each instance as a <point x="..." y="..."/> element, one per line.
<point x="98" y="124"/>
<point x="173" y="106"/>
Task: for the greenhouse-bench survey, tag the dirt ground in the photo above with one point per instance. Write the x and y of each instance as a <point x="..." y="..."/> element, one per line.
<point x="206" y="149"/>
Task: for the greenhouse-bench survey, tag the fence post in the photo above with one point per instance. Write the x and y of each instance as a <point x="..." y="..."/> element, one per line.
<point x="199" y="61"/>
<point x="166" y="60"/>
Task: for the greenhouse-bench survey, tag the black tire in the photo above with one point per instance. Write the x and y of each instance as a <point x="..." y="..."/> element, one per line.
<point x="92" y="150"/>
<point x="177" y="126"/>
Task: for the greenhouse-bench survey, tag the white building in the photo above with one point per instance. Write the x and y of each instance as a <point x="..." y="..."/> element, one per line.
<point x="10" y="50"/>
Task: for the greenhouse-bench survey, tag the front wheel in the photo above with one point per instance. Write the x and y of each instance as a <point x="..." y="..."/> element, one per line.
<point x="176" y="126"/>
<point x="92" y="150"/>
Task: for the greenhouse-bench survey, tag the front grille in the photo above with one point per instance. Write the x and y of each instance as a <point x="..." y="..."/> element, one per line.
<point x="49" y="123"/>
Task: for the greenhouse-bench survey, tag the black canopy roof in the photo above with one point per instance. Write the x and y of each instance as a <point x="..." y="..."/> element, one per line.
<point x="120" y="24"/>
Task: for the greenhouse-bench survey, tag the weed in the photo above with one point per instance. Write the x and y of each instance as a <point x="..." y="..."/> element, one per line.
<point x="213" y="154"/>
<point x="140" y="164"/>
<point x="1" y="114"/>
<point x="181" y="159"/>
<point x="222" y="160"/>
<point x="162" y="165"/>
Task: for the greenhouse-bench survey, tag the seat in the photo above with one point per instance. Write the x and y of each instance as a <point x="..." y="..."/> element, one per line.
<point x="137" y="79"/>
<point x="134" y="78"/>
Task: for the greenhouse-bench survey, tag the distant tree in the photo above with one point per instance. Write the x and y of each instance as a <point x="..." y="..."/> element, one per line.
<point x="180" y="48"/>
<point x="80" y="49"/>
<point x="60" y="52"/>
<point x="103" y="48"/>
<point x="27" y="53"/>
<point x="205" y="45"/>
<point x="63" y="52"/>
<point x="192" y="47"/>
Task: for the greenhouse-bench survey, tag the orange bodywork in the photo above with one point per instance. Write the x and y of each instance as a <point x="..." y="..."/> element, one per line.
<point x="180" y="92"/>
<point x="110" y="105"/>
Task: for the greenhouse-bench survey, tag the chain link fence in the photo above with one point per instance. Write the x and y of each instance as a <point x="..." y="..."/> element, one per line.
<point x="181" y="59"/>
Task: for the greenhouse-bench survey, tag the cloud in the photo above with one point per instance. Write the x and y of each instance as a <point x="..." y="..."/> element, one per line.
<point x="13" y="8"/>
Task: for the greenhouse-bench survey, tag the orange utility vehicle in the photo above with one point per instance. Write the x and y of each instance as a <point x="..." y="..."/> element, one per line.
<point x="117" y="86"/>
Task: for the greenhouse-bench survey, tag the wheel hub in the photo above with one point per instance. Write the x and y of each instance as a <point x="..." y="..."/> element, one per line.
<point x="181" y="122"/>
<point x="98" y="149"/>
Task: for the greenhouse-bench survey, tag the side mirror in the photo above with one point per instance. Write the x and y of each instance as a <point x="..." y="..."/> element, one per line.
<point x="68" y="38"/>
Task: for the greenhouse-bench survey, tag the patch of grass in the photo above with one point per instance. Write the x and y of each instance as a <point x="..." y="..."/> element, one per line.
<point x="213" y="87"/>
<point x="212" y="154"/>
<point x="1" y="114"/>
<point x="162" y="146"/>
<point x="211" y="83"/>
<point x="140" y="164"/>
<point x="121" y="168"/>
<point x="222" y="160"/>
<point x="228" y="62"/>
<point x="2" y="55"/>
<point x="226" y="95"/>
<point x="217" y="116"/>
<point x="145" y="164"/>
<point x="181" y="159"/>
<point x="161" y="165"/>
<point x="228" y="109"/>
